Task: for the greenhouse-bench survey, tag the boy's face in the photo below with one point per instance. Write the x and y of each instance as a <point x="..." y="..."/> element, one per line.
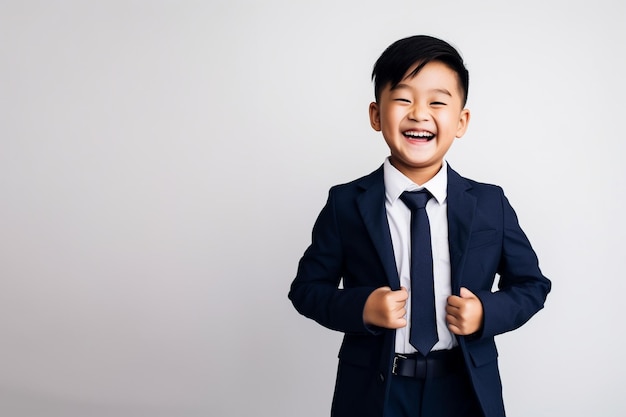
<point x="420" y="118"/>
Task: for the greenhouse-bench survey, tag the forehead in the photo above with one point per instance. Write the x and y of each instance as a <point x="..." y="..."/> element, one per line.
<point x="433" y="75"/>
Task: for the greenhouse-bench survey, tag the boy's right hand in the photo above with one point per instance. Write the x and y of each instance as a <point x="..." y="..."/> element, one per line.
<point x="386" y="308"/>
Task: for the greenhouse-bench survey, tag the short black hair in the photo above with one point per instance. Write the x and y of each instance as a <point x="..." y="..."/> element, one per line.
<point x="395" y="61"/>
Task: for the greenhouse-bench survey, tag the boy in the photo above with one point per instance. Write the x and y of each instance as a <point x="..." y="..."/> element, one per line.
<point x="416" y="304"/>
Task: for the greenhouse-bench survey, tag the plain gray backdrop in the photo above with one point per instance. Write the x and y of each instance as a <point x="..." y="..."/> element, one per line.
<point x="162" y="164"/>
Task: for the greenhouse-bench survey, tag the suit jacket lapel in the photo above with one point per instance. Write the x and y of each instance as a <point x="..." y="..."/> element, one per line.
<point x="371" y="203"/>
<point x="461" y="208"/>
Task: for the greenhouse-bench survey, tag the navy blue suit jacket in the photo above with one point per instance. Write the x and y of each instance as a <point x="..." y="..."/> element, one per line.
<point x="351" y="242"/>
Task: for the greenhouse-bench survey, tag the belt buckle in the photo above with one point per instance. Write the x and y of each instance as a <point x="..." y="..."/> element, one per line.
<point x="395" y="362"/>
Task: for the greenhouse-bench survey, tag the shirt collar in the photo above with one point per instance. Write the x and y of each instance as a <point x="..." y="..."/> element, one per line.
<point x="396" y="183"/>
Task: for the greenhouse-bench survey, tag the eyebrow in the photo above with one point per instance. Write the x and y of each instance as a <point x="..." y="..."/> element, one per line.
<point x="434" y="90"/>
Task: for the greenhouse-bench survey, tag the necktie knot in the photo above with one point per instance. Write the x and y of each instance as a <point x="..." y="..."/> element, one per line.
<point x="415" y="200"/>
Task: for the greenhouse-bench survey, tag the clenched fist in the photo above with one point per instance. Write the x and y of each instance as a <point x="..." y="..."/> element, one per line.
<point x="464" y="313"/>
<point x="386" y="308"/>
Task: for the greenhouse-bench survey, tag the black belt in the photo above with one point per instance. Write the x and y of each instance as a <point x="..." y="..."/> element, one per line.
<point x="436" y="364"/>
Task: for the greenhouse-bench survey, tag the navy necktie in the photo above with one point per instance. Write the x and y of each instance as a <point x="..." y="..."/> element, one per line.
<point x="423" y="334"/>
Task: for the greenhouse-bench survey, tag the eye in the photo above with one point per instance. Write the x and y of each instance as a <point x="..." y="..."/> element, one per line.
<point x="402" y="100"/>
<point x="437" y="103"/>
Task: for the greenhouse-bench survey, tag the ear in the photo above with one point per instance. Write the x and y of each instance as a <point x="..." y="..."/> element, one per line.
<point x="375" y="116"/>
<point x="463" y="122"/>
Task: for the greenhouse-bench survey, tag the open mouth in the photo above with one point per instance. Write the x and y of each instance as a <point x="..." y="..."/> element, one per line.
<point x="419" y="135"/>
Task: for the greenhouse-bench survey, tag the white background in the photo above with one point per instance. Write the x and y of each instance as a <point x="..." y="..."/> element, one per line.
<point x="162" y="163"/>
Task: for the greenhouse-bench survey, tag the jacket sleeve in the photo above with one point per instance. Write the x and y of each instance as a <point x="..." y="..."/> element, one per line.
<point x="315" y="291"/>
<point x="522" y="287"/>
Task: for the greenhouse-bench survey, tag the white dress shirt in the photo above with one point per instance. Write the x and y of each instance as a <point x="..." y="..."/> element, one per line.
<point x="399" y="217"/>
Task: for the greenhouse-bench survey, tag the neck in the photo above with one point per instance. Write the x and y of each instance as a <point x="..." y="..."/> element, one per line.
<point x="419" y="176"/>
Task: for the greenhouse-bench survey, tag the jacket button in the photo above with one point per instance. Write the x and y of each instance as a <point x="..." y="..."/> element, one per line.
<point x="382" y="377"/>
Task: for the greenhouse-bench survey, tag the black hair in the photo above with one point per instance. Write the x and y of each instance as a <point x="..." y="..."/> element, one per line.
<point x="392" y="66"/>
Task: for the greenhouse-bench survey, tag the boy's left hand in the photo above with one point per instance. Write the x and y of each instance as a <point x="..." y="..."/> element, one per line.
<point x="464" y="313"/>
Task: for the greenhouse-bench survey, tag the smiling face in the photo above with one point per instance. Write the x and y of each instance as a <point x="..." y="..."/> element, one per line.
<point x="420" y="118"/>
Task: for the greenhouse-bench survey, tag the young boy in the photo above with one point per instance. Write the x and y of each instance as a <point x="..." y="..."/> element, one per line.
<point x="416" y="305"/>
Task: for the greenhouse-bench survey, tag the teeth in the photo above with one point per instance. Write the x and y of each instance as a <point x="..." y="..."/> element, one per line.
<point x="419" y="134"/>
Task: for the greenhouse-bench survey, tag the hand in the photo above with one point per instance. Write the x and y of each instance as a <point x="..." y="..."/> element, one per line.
<point x="464" y="313"/>
<point x="386" y="308"/>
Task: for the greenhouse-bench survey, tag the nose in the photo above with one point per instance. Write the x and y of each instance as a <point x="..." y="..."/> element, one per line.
<point x="419" y="112"/>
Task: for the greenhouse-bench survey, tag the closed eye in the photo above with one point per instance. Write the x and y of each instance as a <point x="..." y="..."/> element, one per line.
<point x="403" y="100"/>
<point x="438" y="103"/>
